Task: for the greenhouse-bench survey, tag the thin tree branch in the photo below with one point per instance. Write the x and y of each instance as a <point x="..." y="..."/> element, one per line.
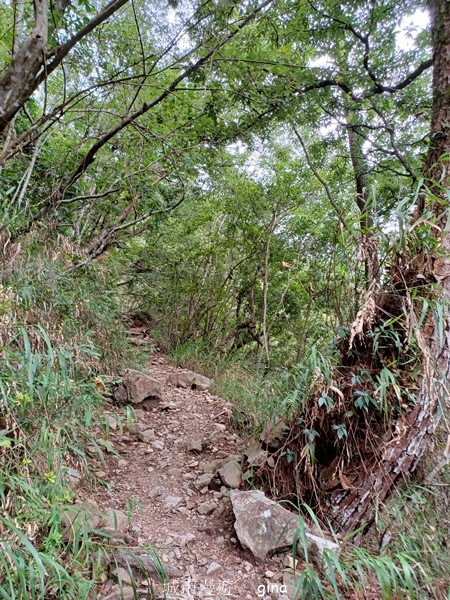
<point x="324" y="185"/>
<point x="90" y="196"/>
<point x="395" y="150"/>
<point x="391" y="89"/>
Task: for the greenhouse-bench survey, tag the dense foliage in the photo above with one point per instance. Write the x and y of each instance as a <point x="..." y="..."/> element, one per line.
<point x="249" y="178"/>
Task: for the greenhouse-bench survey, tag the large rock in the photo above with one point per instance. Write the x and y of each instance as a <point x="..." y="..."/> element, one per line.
<point x="214" y="465"/>
<point x="189" y="379"/>
<point x="78" y="518"/>
<point x="274" y="433"/>
<point x="86" y="516"/>
<point x="140" y="386"/>
<point x="120" y="393"/>
<point x="144" y="563"/>
<point x="70" y="476"/>
<point x="265" y="527"/>
<point x="114" y="521"/>
<point x="231" y="474"/>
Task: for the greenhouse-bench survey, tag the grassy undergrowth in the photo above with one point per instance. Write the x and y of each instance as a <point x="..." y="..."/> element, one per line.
<point x="45" y="417"/>
<point x="57" y="330"/>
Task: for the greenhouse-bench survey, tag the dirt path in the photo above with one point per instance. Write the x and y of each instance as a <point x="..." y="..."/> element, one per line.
<point x="192" y="529"/>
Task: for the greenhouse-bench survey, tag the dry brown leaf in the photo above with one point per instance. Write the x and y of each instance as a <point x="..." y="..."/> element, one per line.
<point x="338" y="392"/>
<point x="290" y="563"/>
<point x="441" y="269"/>
<point x="100" y="387"/>
<point x="345" y="482"/>
<point x="364" y="316"/>
<point x="447" y="447"/>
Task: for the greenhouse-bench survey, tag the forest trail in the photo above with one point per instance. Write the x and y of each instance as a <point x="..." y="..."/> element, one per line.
<point x="191" y="528"/>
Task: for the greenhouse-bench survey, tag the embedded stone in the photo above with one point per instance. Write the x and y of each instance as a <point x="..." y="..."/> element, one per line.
<point x="206" y="508"/>
<point x="231" y="474"/>
<point x="147" y="436"/>
<point x="79" y="518"/>
<point x="140" y="386"/>
<point x="172" y="501"/>
<point x="70" y="476"/>
<point x="203" y="481"/>
<point x="114" y="521"/>
<point x="265" y="527"/>
<point x="189" y="379"/>
<point x="194" y="446"/>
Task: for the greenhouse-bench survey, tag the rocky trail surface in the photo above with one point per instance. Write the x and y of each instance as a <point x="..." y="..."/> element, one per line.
<point x="160" y="472"/>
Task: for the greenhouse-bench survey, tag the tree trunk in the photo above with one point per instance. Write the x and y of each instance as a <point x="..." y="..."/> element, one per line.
<point x="17" y="84"/>
<point x="32" y="63"/>
<point x="373" y="483"/>
<point x="438" y="154"/>
<point x="360" y="170"/>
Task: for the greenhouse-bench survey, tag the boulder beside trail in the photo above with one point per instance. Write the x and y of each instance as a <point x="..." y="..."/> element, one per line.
<point x="189" y="379"/>
<point x="70" y="476"/>
<point x="265" y="527"/>
<point x="78" y="518"/>
<point x="231" y="474"/>
<point x="114" y="521"/>
<point x="137" y="387"/>
<point x="86" y="517"/>
<point x="274" y="433"/>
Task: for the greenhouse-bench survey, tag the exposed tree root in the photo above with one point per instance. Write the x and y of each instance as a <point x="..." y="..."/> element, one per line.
<point x="365" y="425"/>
